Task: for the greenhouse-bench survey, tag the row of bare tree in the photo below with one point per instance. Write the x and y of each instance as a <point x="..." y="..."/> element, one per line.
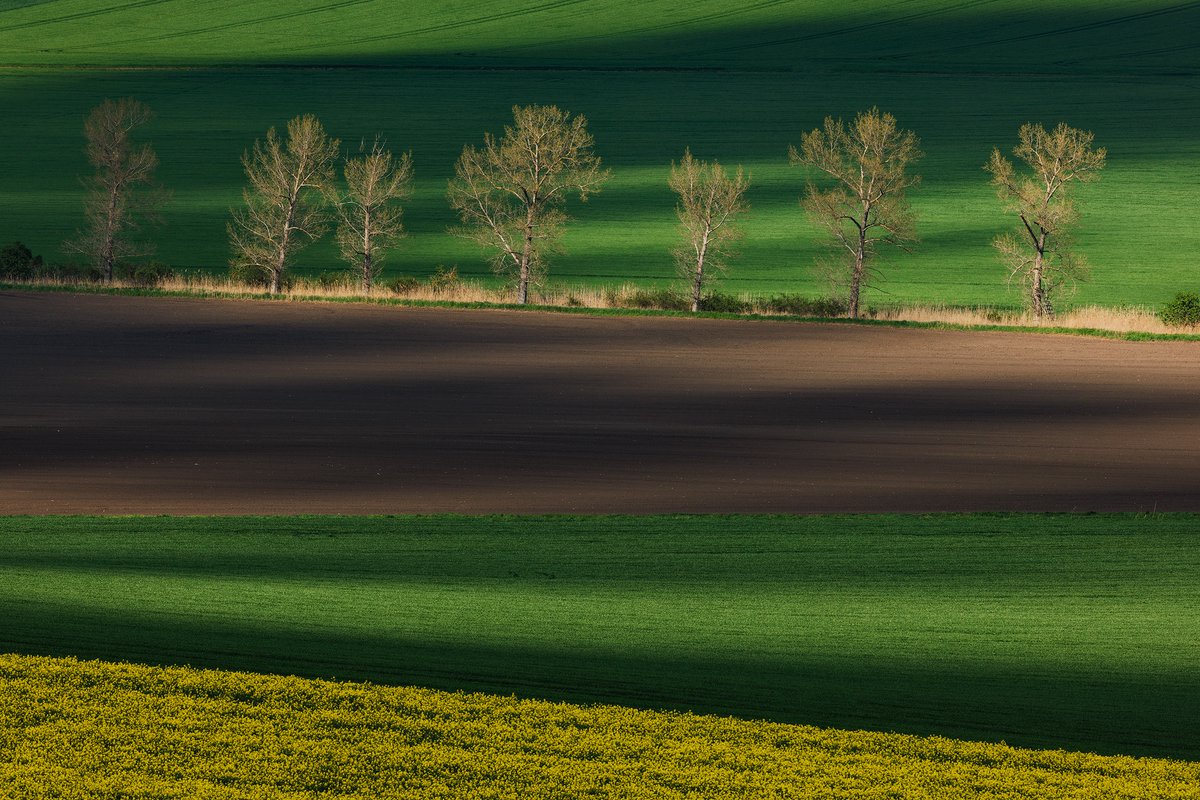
<point x="511" y="194"/>
<point x="293" y="190"/>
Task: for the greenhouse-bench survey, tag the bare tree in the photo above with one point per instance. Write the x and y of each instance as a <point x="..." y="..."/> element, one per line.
<point x="369" y="214"/>
<point x="866" y="205"/>
<point x="1039" y="256"/>
<point x="285" y="205"/>
<point x="710" y="200"/>
<point x="122" y="190"/>
<point x="510" y="194"/>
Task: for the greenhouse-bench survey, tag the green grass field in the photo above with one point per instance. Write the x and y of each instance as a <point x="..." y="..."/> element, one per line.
<point x="736" y="84"/>
<point x="1040" y="630"/>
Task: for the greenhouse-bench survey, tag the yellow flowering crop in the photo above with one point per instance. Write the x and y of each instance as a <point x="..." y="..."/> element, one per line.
<point x="75" y="729"/>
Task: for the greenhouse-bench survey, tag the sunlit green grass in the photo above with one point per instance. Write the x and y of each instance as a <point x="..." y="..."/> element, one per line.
<point x="1008" y="35"/>
<point x="1046" y="630"/>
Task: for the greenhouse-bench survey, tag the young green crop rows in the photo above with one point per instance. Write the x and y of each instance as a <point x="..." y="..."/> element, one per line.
<point x="72" y="729"/>
<point x="1064" y="36"/>
<point x="1041" y="630"/>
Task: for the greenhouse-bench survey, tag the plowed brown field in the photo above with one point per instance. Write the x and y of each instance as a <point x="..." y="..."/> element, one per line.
<point x="180" y="406"/>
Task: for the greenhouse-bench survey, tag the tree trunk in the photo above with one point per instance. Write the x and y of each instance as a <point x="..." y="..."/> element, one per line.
<point x="698" y="278"/>
<point x="523" y="279"/>
<point x="278" y="267"/>
<point x="1038" y="297"/>
<point x="281" y="257"/>
<point x="856" y="276"/>
<point x="107" y="256"/>
<point x="526" y="256"/>
<point x="368" y="271"/>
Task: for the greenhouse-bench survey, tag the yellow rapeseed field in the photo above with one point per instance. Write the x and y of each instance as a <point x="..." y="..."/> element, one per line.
<point x="85" y="729"/>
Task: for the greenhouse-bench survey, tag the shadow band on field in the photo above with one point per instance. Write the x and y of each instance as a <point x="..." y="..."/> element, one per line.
<point x="143" y="405"/>
<point x="1141" y="715"/>
<point x="1069" y="631"/>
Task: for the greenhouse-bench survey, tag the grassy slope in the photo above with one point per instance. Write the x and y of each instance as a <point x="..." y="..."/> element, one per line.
<point x="93" y="729"/>
<point x="1061" y="35"/>
<point x="1067" y="631"/>
<point x="780" y="67"/>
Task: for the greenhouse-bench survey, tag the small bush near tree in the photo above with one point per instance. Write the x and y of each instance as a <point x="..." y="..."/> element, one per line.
<point x="806" y="306"/>
<point x="444" y="279"/>
<point x="18" y="261"/>
<point x="1182" y="310"/>
<point x="722" y="303"/>
<point x="334" y="279"/>
<point x="665" y="299"/>
<point x="150" y="274"/>
<point x="404" y="284"/>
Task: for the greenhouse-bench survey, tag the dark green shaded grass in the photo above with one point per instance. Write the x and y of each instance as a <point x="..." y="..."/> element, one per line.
<point x="1041" y="630"/>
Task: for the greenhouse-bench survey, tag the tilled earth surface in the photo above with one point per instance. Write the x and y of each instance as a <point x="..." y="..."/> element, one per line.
<point x="184" y="406"/>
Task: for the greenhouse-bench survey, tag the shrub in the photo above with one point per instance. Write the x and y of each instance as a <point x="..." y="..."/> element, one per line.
<point x="806" y="306"/>
<point x="404" y="284"/>
<point x="334" y="279"/>
<point x="724" y="303"/>
<point x="18" y="261"/>
<point x="145" y="274"/>
<point x="69" y="272"/>
<point x="1183" y="310"/>
<point x="254" y="276"/>
<point x="665" y="299"/>
<point x="444" y="279"/>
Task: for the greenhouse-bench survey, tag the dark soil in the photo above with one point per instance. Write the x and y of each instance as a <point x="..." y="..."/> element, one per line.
<point x="120" y="405"/>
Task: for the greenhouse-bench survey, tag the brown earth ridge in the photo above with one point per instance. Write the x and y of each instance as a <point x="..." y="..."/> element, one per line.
<point x="135" y="405"/>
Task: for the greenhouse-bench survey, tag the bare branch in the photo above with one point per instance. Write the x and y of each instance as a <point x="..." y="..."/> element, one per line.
<point x="868" y="162"/>
<point x="122" y="192"/>
<point x="509" y="194"/>
<point x="369" y="214"/>
<point x="1042" y="202"/>
<point x="710" y="200"/>
<point x="285" y="199"/>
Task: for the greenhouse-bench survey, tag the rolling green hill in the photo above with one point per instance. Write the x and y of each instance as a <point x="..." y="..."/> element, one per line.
<point x="734" y="83"/>
<point x="987" y="35"/>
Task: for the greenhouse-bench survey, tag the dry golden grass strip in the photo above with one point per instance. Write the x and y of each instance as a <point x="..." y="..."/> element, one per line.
<point x="1124" y="319"/>
<point x="73" y="729"/>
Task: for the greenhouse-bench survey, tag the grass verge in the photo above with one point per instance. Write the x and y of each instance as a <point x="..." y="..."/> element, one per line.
<point x="1073" y="631"/>
<point x="1111" y="323"/>
<point x="92" y="729"/>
